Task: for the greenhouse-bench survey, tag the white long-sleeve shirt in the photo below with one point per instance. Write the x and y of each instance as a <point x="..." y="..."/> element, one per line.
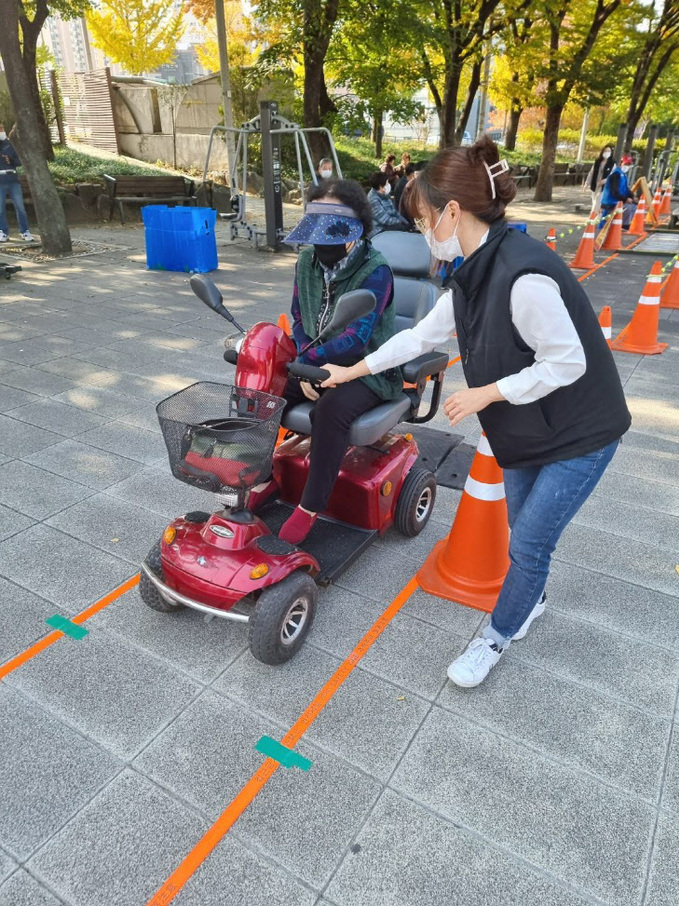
<point x="542" y="321"/>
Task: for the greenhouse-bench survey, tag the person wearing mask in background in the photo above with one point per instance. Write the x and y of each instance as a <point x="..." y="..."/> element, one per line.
<point x="385" y="215"/>
<point x="408" y="174"/>
<point x="9" y="186"/>
<point x="337" y="259"/>
<point x="389" y="169"/>
<point x="617" y="189"/>
<point x="324" y="168"/>
<point x="540" y="374"/>
<point x="597" y="176"/>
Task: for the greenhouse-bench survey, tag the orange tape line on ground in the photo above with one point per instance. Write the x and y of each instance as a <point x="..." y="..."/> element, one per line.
<point x="52" y="637"/>
<point x="238" y="805"/>
<point x="453" y="361"/>
<point x="614" y="255"/>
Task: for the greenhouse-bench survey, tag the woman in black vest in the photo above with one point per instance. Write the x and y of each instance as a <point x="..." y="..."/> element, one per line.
<point x="597" y="176"/>
<point x="541" y="376"/>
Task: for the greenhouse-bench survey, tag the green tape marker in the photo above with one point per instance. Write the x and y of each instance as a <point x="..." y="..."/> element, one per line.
<point x="282" y="754"/>
<point x="65" y="626"/>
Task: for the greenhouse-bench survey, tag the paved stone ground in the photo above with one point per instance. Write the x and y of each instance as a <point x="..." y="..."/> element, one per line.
<point x="556" y="783"/>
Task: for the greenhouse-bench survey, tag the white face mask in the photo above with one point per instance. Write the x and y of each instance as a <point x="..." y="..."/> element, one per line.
<point x="448" y="249"/>
<point x="624" y="168"/>
<point x="326" y="174"/>
<point x="3" y="136"/>
<point x="606" y="155"/>
<point x="387" y="189"/>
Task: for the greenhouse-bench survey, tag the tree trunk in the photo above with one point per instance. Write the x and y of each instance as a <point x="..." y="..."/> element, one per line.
<point x="30" y="33"/>
<point x="449" y="107"/>
<point x="319" y="21"/>
<point x="474" y="82"/>
<point x="56" y="239"/>
<point x="514" y="118"/>
<point x="377" y="132"/>
<point x="543" y="189"/>
<point x="326" y="103"/>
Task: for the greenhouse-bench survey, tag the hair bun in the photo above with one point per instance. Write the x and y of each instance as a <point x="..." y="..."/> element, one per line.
<point x="484" y="150"/>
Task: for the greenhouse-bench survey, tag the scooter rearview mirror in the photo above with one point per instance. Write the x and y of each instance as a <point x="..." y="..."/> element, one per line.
<point x="208" y="293"/>
<point x="350" y="307"/>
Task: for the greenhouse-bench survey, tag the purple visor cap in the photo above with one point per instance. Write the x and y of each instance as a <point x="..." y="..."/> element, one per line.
<point x="326" y="223"/>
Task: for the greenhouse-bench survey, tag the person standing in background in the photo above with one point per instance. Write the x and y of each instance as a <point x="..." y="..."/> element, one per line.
<point x="617" y="189"/>
<point x="324" y="168"/>
<point x="597" y="176"/>
<point x="9" y="185"/>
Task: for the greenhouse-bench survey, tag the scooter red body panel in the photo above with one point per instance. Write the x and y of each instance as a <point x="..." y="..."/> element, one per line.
<point x="265" y="351"/>
<point x="212" y="561"/>
<point x="368" y="484"/>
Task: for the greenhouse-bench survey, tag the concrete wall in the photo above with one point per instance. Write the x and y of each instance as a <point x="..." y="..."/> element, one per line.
<point x="144" y="114"/>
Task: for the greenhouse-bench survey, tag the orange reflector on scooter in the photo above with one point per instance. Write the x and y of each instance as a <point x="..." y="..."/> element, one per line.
<point x="259" y="571"/>
<point x="169" y="534"/>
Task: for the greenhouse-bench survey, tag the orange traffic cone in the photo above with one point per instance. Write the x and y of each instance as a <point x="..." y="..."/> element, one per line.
<point x="550" y="241"/>
<point x="637" y="227"/>
<point x="670" y="294"/>
<point x="666" y="203"/>
<point x="584" y="257"/>
<point x="657" y="200"/>
<point x="606" y="322"/>
<point x="613" y="240"/>
<point x="469" y="566"/>
<point x="284" y="323"/>
<point x="641" y="334"/>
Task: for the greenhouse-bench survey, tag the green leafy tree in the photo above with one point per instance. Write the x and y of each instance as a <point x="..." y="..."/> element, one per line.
<point x="512" y="86"/>
<point x="362" y="59"/>
<point x="568" y="31"/>
<point x="56" y="238"/>
<point x="139" y="35"/>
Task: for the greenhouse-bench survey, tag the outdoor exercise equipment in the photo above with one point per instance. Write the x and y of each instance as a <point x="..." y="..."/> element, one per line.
<point x="271" y="126"/>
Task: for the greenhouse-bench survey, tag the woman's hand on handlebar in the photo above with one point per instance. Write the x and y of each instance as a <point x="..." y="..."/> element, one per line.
<point x="341" y="375"/>
<point x="309" y="391"/>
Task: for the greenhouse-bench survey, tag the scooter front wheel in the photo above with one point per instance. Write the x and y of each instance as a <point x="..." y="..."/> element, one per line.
<point x="148" y="591"/>
<point x="415" y="502"/>
<point x="282" y="617"/>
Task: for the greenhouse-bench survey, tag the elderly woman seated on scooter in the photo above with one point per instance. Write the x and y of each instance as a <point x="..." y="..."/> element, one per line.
<point x="338" y="259"/>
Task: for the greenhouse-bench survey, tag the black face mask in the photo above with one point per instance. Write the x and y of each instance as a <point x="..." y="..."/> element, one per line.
<point x="330" y="255"/>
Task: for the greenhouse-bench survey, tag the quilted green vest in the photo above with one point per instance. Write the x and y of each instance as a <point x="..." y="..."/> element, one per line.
<point x="387" y="385"/>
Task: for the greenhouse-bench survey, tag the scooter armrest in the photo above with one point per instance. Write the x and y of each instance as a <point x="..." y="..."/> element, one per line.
<point x="424" y="366"/>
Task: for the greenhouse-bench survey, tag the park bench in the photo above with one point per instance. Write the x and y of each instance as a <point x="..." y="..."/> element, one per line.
<point x="523" y="175"/>
<point x="142" y="189"/>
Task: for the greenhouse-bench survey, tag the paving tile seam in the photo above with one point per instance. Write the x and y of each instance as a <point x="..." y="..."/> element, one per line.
<point x="661" y="792"/>
<point x="43" y="519"/>
<point x="548" y="756"/>
<point x="598" y="492"/>
<point x="623" y="633"/>
<point x="659" y="591"/>
<point x="273" y="861"/>
<point x="578" y="519"/>
<point x="43" y="884"/>
<point x="589" y="688"/>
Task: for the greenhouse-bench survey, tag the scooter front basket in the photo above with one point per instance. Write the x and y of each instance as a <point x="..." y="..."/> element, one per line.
<point x="220" y="438"/>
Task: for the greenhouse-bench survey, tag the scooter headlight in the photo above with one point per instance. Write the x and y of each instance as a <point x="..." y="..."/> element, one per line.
<point x="259" y="571"/>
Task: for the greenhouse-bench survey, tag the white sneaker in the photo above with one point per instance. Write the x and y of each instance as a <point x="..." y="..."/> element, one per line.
<point x="537" y="611"/>
<point x="3" y="236"/>
<point x="472" y="667"/>
<point x="27" y="237"/>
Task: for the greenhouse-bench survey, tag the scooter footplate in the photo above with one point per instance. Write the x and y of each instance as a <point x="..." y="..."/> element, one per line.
<point x="335" y="545"/>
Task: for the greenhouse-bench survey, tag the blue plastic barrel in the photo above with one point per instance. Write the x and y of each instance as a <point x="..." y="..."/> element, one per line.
<point x="180" y="238"/>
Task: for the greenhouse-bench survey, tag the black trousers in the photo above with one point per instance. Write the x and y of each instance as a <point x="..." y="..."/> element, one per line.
<point x="331" y="418"/>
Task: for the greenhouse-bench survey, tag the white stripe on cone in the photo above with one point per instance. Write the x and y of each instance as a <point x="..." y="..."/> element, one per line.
<point x="606" y="332"/>
<point x="484" y="446"/>
<point x="482" y="491"/>
<point x="649" y="300"/>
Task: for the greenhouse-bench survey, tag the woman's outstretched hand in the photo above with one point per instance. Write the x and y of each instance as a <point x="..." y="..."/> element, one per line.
<point x="466" y="402"/>
<point x="338" y="375"/>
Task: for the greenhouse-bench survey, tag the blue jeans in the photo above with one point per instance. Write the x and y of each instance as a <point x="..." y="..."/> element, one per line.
<point x="13" y="189"/>
<point x="541" y="501"/>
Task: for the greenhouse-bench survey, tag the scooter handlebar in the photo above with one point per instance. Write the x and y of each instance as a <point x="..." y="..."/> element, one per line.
<point x="308" y="372"/>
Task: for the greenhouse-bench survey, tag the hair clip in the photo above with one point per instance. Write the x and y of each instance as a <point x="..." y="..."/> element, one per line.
<point x="495" y="170"/>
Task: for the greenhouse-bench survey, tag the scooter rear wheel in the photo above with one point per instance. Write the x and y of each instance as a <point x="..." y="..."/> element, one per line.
<point x="282" y="617"/>
<point x="148" y="591"/>
<point x="415" y="502"/>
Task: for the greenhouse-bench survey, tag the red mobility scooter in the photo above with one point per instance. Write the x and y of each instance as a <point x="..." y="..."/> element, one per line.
<point x="222" y="438"/>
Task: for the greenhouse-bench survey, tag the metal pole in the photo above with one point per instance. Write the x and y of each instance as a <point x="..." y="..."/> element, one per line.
<point x="583" y="136"/>
<point x="647" y="166"/>
<point x="483" y="102"/>
<point x="226" y="83"/>
<point x="271" y="171"/>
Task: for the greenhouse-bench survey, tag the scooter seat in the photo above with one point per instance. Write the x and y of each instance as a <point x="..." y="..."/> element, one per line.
<point x="366" y="429"/>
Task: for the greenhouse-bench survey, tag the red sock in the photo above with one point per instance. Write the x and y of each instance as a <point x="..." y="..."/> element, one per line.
<point x="298" y="526"/>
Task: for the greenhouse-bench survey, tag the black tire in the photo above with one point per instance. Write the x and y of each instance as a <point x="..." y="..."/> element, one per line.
<point x="416" y="502"/>
<point x="148" y="591"/>
<point x="284" y="609"/>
